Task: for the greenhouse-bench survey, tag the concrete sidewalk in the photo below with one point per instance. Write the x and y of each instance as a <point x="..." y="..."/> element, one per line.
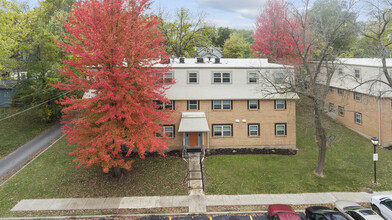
<point x="195" y="203"/>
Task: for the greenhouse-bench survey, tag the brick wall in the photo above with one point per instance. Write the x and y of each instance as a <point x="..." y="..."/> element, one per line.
<point x="368" y="107"/>
<point x="266" y="116"/>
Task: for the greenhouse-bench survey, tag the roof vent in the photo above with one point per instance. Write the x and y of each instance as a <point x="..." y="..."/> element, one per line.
<point x="200" y="60"/>
<point x="182" y="60"/>
<point x="217" y="60"/>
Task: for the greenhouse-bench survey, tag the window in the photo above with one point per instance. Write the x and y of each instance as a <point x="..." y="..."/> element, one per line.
<point x="341" y="110"/>
<point x="193" y="105"/>
<point x="221" y="78"/>
<point x="280" y="104"/>
<point x="222" y="104"/>
<point x="222" y="130"/>
<point x="340" y="91"/>
<point x="280" y="129"/>
<point x="168" y="77"/>
<point x="166" y="106"/>
<point x="254" y="129"/>
<point x="340" y="71"/>
<point x="167" y="130"/>
<point x="252" y="77"/>
<point x="279" y="78"/>
<point x="330" y="89"/>
<point x="331" y="107"/>
<point x="253" y="104"/>
<point x="193" y="77"/>
<point x="358" y="118"/>
<point x="357" y="74"/>
<point x="357" y="96"/>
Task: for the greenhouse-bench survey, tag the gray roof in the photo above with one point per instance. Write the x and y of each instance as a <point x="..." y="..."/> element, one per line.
<point x="226" y="63"/>
<point x="373" y="62"/>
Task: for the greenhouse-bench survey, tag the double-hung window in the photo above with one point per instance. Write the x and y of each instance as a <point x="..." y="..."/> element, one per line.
<point x="280" y="104"/>
<point x="252" y="77"/>
<point x="279" y="78"/>
<point x="222" y="104"/>
<point x="340" y="71"/>
<point x="254" y="129"/>
<point x="340" y="91"/>
<point x="222" y="77"/>
<point x="193" y="77"/>
<point x="168" y="77"/>
<point x="193" y="105"/>
<point x="357" y="96"/>
<point x="331" y="107"/>
<point x="253" y="104"/>
<point x="168" y="106"/>
<point x="357" y="74"/>
<point x="341" y="110"/>
<point x="358" y="118"/>
<point x="167" y="130"/>
<point x="280" y="129"/>
<point x="222" y="130"/>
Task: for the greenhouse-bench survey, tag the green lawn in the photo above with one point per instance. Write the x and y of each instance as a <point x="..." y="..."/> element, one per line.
<point x="349" y="166"/>
<point x="53" y="175"/>
<point x="19" y="129"/>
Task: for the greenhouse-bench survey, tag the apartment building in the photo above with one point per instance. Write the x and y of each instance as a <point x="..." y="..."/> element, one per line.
<point x="219" y="103"/>
<point x="359" y="100"/>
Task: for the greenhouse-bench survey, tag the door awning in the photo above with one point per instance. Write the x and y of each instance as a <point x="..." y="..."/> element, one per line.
<point x="193" y="122"/>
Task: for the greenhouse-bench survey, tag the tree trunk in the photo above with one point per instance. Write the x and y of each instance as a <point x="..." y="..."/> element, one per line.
<point x="321" y="140"/>
<point x="117" y="172"/>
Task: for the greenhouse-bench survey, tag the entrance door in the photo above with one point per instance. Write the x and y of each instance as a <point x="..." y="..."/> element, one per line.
<point x="193" y="139"/>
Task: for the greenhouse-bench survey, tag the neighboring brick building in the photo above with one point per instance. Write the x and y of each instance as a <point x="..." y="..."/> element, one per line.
<point x="359" y="102"/>
<point x="220" y="104"/>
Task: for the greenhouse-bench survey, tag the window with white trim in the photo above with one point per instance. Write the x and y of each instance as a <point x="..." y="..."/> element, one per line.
<point x="254" y="129"/>
<point x="331" y="107"/>
<point x="357" y="74"/>
<point x="340" y="91"/>
<point x="193" y="77"/>
<point x="167" y="106"/>
<point x="280" y="104"/>
<point x="358" y="118"/>
<point x="279" y="78"/>
<point x="357" y="96"/>
<point x="225" y="130"/>
<point x="222" y="104"/>
<point x="222" y="77"/>
<point x="253" y="104"/>
<point x="340" y="71"/>
<point x="167" y="130"/>
<point x="252" y="77"/>
<point x="341" y="110"/>
<point x="168" y="77"/>
<point x="193" y="105"/>
<point x="280" y="129"/>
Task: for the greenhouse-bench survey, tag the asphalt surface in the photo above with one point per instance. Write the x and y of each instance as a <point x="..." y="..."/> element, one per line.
<point x="221" y="217"/>
<point x="21" y="155"/>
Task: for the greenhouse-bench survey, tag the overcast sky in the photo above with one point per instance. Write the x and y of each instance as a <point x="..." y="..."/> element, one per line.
<point x="240" y="14"/>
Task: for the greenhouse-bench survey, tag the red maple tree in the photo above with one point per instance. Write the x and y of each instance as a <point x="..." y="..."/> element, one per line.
<point x="114" y="48"/>
<point x="276" y="33"/>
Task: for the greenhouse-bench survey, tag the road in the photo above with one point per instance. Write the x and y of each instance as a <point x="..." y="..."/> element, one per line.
<point x="21" y="155"/>
<point x="221" y="217"/>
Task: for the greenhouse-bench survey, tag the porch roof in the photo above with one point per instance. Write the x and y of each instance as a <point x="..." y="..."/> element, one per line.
<point x="193" y="122"/>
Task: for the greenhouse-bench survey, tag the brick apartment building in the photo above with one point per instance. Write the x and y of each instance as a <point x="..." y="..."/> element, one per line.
<point x="219" y="104"/>
<point x="359" y="102"/>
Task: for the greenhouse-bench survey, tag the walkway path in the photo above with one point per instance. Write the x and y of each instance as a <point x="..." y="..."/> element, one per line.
<point x="201" y="201"/>
<point x="24" y="153"/>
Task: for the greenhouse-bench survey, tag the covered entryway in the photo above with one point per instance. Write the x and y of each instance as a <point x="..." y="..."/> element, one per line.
<point x="195" y="130"/>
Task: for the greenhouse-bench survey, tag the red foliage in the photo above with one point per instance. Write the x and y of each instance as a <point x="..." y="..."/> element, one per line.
<point x="111" y="43"/>
<point x="277" y="34"/>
